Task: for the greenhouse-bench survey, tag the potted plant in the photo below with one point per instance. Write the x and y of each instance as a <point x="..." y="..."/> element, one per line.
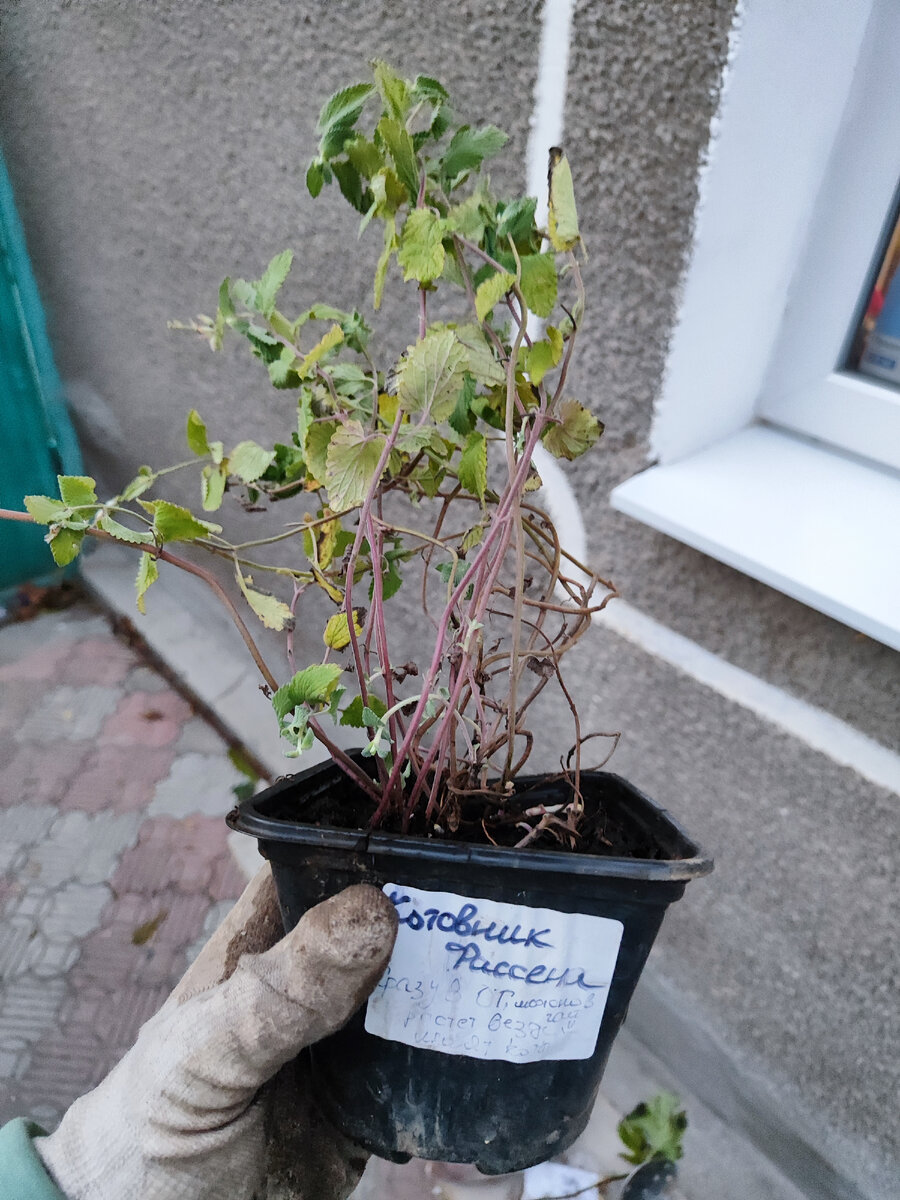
<point x="527" y="903"/>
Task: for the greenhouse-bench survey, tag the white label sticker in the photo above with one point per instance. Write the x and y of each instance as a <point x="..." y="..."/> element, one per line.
<point x="494" y="981"/>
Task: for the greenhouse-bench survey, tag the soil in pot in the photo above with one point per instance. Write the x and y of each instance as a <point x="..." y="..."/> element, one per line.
<point x="486" y="1040"/>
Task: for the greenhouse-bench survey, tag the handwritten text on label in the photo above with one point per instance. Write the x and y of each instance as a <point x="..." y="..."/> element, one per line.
<point x="492" y="980"/>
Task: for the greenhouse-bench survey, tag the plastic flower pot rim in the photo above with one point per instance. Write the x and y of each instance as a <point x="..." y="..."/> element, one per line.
<point x="248" y="818"/>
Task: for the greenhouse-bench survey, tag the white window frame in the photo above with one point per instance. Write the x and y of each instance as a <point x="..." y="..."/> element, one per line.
<point x="783" y="502"/>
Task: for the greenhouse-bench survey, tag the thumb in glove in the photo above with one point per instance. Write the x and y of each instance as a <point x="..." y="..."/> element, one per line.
<point x="176" y="1119"/>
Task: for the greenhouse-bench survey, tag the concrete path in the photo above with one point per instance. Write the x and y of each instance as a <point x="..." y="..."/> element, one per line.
<point x="114" y="863"/>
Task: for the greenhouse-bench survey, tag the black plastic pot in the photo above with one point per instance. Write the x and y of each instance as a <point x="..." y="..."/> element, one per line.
<point x="400" y="1100"/>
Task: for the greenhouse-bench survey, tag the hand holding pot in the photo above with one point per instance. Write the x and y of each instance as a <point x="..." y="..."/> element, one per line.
<point x="182" y="1117"/>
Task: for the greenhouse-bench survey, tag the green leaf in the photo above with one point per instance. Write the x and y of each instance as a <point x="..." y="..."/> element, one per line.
<point x="344" y="107"/>
<point x="463" y="420"/>
<point x="491" y="291"/>
<point x="351" y="465"/>
<point x="248" y="461"/>
<point x="196" y="434"/>
<point x="365" y="156"/>
<point x="148" y="572"/>
<point x="430" y="375"/>
<point x="212" y="486"/>
<point x="482" y="363"/>
<point x="144" y="479"/>
<point x="391" y="579"/>
<point x="270" y="284"/>
<point x="315" y="177"/>
<point x="576" y="432"/>
<point x="337" y="630"/>
<point x="64" y="545"/>
<point x="281" y="370"/>
<point x="421" y="252"/>
<point x="352" y="187"/>
<point x="472" y="468"/>
<point x="353" y="713"/>
<point x="77" y="490"/>
<point x="122" y="533"/>
<point x="517" y="220"/>
<point x="654" y="1129"/>
<point x="467" y="150"/>
<point x="314" y="685"/>
<point x="390" y="244"/>
<point x="273" y="613"/>
<point x="562" y="226"/>
<point x="172" y="523"/>
<point x="543" y="356"/>
<point x="332" y="338"/>
<point x="393" y="89"/>
<point x="401" y="149"/>
<point x="318" y="440"/>
<point x="388" y="192"/>
<point x="46" y="510"/>
<point x="538" y="283"/>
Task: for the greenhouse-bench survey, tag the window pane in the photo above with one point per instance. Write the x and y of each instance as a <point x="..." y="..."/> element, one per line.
<point x="875" y="349"/>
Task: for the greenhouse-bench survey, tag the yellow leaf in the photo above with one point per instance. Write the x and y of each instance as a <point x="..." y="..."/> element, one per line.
<point x="337" y="631"/>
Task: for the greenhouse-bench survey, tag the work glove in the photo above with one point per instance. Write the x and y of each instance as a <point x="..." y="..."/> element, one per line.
<point x="190" y="1113"/>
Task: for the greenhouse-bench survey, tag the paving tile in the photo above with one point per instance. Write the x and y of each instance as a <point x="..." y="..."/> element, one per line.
<point x="43" y="663"/>
<point x="144" y="679"/>
<point x="28" y="1007"/>
<point x="42" y="774"/>
<point x="75" y="910"/>
<point x="20" y="698"/>
<point x="83" y="847"/>
<point x="199" y="736"/>
<point x="197" y="783"/>
<point x="97" y="660"/>
<point x="118" y="778"/>
<point x="25" y="824"/>
<point x="71" y="713"/>
<point x="21" y="946"/>
<point x="146" y="719"/>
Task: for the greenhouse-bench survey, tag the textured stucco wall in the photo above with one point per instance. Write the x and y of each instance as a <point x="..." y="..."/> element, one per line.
<point x="156" y="146"/>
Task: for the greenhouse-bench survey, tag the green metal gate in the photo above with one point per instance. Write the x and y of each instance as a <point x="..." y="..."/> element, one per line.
<point x="37" y="441"/>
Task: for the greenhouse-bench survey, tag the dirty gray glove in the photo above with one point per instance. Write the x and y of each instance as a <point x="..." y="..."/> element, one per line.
<point x="182" y="1116"/>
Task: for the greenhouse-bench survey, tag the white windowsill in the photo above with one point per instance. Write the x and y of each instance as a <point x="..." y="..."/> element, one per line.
<point x="813" y="523"/>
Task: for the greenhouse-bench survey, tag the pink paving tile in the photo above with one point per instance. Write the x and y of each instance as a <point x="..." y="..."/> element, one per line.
<point x="41" y="774"/>
<point x="146" y="719"/>
<point x="118" y="778"/>
<point x="227" y="880"/>
<point x="98" y="660"/>
<point x="38" y="665"/>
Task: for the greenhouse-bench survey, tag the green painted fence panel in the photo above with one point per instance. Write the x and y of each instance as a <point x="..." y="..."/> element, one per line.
<point x="37" y="441"/>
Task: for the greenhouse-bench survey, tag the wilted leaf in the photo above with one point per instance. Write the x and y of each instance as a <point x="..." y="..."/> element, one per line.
<point x="273" y="613"/>
<point x="337" y="630"/>
<point x="148" y="572"/>
<point x="575" y="433"/>
<point x="482" y="362"/>
<point x="562" y="227"/>
<point x="145" y="932"/>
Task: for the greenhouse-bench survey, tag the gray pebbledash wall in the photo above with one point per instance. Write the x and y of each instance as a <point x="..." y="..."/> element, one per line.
<point x="155" y="147"/>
